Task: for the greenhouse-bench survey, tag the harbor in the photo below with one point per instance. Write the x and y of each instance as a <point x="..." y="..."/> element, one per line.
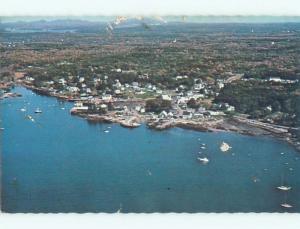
<point x="102" y="167"/>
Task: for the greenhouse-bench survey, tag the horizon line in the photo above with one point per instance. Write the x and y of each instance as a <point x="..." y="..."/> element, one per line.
<point x="150" y="15"/>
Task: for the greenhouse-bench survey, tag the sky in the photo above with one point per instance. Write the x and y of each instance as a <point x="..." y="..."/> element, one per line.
<point x="149" y="7"/>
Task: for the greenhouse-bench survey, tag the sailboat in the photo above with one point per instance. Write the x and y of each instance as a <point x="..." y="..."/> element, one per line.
<point x="120" y="209"/>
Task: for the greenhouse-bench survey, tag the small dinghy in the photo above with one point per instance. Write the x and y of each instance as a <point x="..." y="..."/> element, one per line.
<point x="204" y="160"/>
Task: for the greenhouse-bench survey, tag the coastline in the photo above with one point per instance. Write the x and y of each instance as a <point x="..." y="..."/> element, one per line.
<point x="235" y="124"/>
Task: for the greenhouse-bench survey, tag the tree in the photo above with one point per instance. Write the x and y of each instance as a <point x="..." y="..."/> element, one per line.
<point x="158" y="105"/>
<point x="192" y="103"/>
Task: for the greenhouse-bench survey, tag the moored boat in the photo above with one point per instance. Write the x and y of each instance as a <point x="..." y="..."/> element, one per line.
<point x="38" y="111"/>
<point x="204" y="160"/>
<point x="284" y="188"/>
<point x="286" y="205"/>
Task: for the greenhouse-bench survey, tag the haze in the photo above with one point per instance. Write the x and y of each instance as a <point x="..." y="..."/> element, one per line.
<point x="147" y="7"/>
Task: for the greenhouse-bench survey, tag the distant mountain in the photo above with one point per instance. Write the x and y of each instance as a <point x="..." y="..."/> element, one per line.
<point x="45" y="25"/>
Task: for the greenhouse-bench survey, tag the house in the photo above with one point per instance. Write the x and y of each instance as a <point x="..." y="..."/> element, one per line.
<point x="182" y="100"/>
<point x="135" y="84"/>
<point x="73" y="89"/>
<point x="88" y="90"/>
<point x="220" y="85"/>
<point x="230" y="108"/>
<point x="117" y="84"/>
<point x="216" y="113"/>
<point x="198" y="87"/>
<point x="28" y="78"/>
<point x="62" y="81"/>
<point x="170" y="115"/>
<point x="103" y="107"/>
<point x="163" y="114"/>
<point x="275" y="79"/>
<point x="269" y="108"/>
<point x="107" y="97"/>
<point x="166" y="97"/>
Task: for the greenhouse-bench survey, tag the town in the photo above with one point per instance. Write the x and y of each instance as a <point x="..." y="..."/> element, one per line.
<point x="242" y="78"/>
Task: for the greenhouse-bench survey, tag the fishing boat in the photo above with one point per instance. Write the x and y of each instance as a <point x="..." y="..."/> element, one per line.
<point x="284" y="188"/>
<point x="204" y="160"/>
<point x="38" y="111"/>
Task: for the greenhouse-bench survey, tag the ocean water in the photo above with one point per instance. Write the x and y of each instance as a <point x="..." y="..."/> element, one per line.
<point x="62" y="163"/>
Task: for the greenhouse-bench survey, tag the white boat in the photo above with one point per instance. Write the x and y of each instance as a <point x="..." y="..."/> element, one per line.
<point x="120" y="209"/>
<point x="225" y="147"/>
<point x="286" y="205"/>
<point x="204" y="160"/>
<point x="1" y="128"/>
<point x="106" y="131"/>
<point x="30" y="118"/>
<point x="284" y="188"/>
<point x="38" y="111"/>
<point x="23" y="109"/>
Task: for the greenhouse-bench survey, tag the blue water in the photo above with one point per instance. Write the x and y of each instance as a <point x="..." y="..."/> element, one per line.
<point x="62" y="163"/>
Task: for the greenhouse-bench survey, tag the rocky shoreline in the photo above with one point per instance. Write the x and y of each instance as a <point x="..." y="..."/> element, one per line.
<point x="231" y="124"/>
<point x="235" y="124"/>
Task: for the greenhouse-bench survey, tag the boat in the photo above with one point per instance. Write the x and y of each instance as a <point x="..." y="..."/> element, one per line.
<point x="204" y="160"/>
<point x="225" y="147"/>
<point x="286" y="205"/>
<point x="1" y="128"/>
<point x="120" y="208"/>
<point x="130" y="124"/>
<point x="30" y="118"/>
<point x="38" y="111"/>
<point x="284" y="188"/>
<point x="23" y="109"/>
<point x="106" y="131"/>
